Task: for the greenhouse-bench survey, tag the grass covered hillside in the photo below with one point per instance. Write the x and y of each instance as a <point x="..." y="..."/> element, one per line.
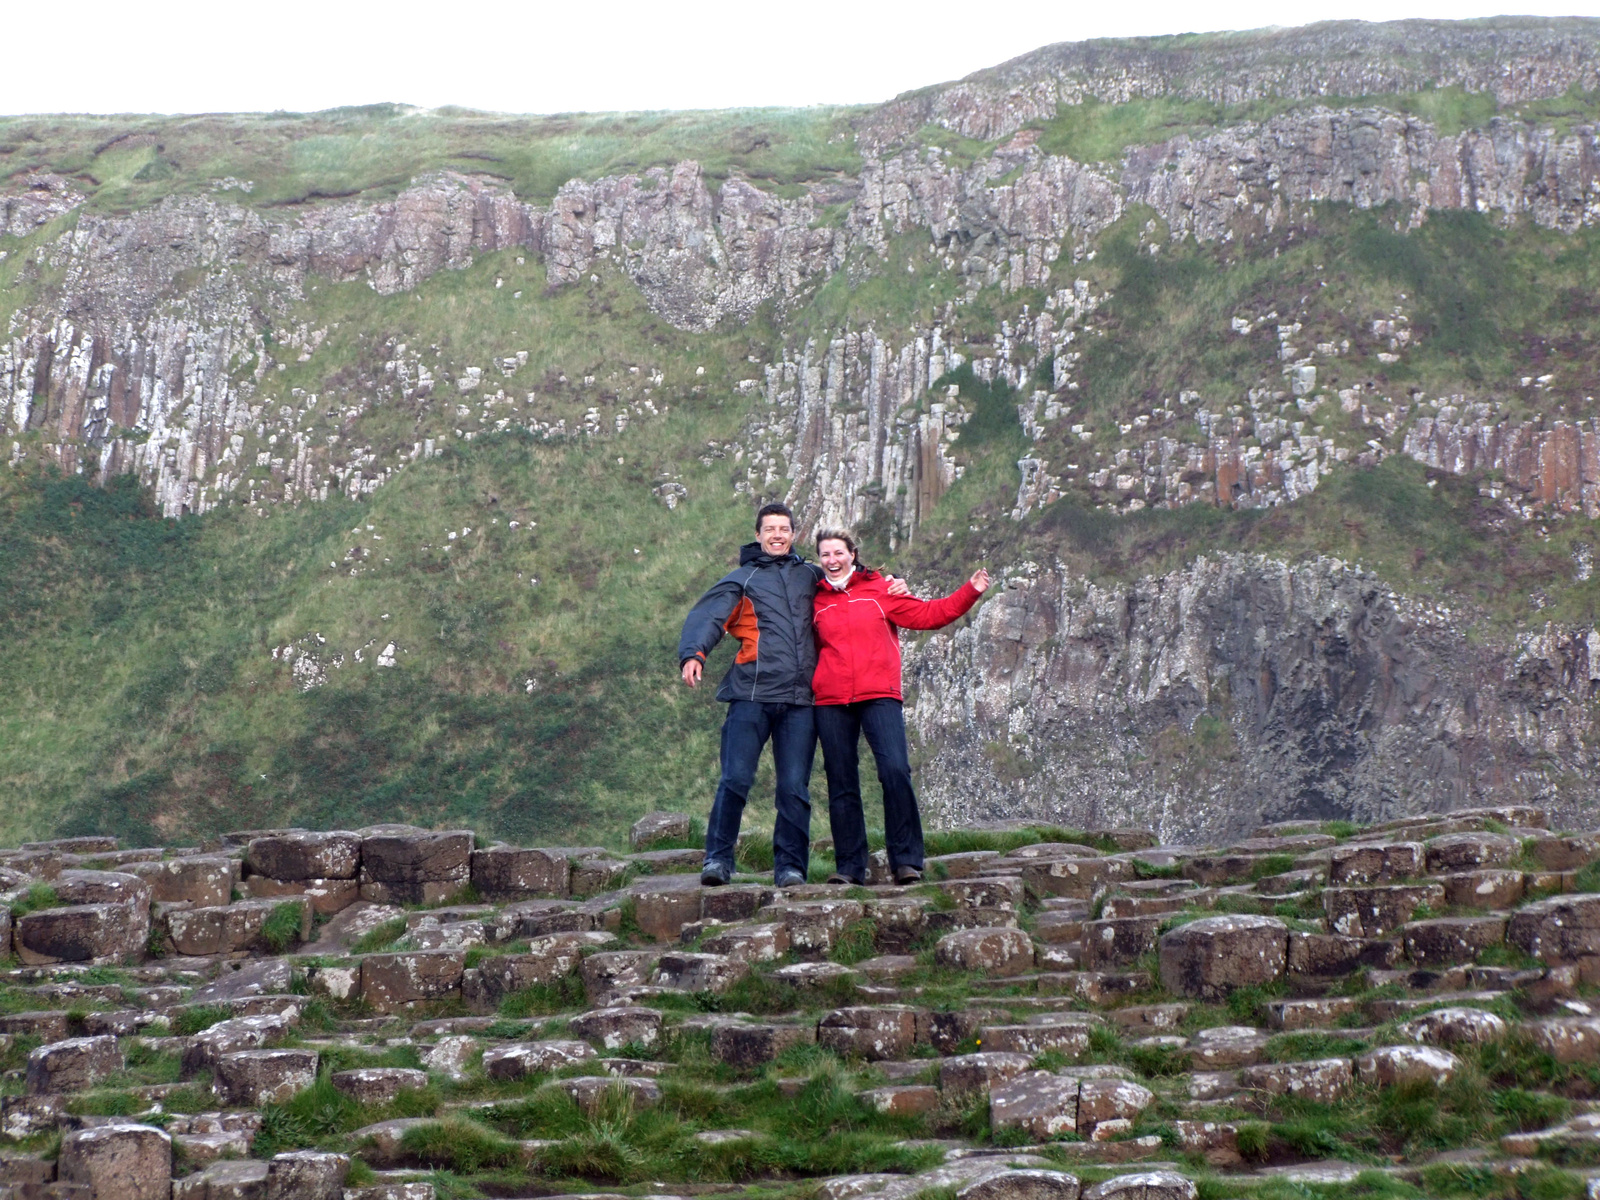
<point x="459" y="501"/>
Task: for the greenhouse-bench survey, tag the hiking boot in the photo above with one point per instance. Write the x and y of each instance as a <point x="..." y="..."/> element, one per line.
<point x="714" y="875"/>
<point x="838" y="878"/>
<point x="789" y="877"/>
<point x="907" y="875"/>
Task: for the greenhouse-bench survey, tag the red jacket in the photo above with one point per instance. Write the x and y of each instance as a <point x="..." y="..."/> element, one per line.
<point x="858" y="635"/>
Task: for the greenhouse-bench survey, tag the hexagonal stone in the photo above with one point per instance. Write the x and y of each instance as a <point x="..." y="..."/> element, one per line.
<point x="1209" y="957"/>
<point x="1001" y="893"/>
<point x="226" y="930"/>
<point x="1070" y="1037"/>
<point x="1374" y="862"/>
<point x="520" y="1059"/>
<point x="227" y="1037"/>
<point x="595" y="875"/>
<point x="614" y="1028"/>
<point x="656" y="827"/>
<point x="307" y="1175"/>
<point x="224" y="1179"/>
<point x="1040" y="1104"/>
<point x="1391" y="1065"/>
<point x="1442" y="941"/>
<point x="688" y="972"/>
<point x="994" y="951"/>
<point x="1454" y="1027"/>
<point x="1491" y="887"/>
<point x="664" y="905"/>
<point x="390" y="982"/>
<point x="750" y="943"/>
<point x="73" y="1065"/>
<point x="734" y="902"/>
<point x="1079" y="877"/>
<point x="906" y="1100"/>
<point x="1567" y="1039"/>
<point x="81" y="933"/>
<point x="403" y="865"/>
<point x="46" y="1026"/>
<point x="981" y="1072"/>
<point x="1027" y="1184"/>
<point x="1563" y="853"/>
<point x="1322" y="1080"/>
<point x="960" y="865"/>
<point x="201" y="880"/>
<point x="256" y="1077"/>
<point x="1103" y="1100"/>
<point x="511" y="872"/>
<point x="814" y="925"/>
<point x="592" y="1094"/>
<point x="871" y="1033"/>
<point x="548" y="958"/>
<point x="378" y="1085"/>
<point x="1119" y="940"/>
<point x="1559" y="929"/>
<point x="291" y="856"/>
<point x="743" y="1045"/>
<point x="118" y="1161"/>
<point x="616" y="970"/>
<point x="1144" y="1185"/>
<point x="1336" y="954"/>
<point x="1319" y="1013"/>
<point x="1466" y="851"/>
<point x="1377" y="911"/>
<point x="1227" y="1046"/>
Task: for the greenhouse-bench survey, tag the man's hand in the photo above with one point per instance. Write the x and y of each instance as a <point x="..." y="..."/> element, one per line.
<point x="979" y="581"/>
<point x="691" y="671"/>
<point x="897" y="586"/>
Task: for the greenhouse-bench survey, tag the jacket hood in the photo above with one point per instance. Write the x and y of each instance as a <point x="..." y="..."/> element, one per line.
<point x="752" y="552"/>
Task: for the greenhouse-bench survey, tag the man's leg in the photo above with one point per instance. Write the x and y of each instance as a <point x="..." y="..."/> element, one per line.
<point x="744" y="731"/>
<point x="839" y="732"/>
<point x="884" y="724"/>
<point x="794" y="748"/>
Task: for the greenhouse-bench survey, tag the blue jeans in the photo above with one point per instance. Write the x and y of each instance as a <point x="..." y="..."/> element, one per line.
<point x="794" y="745"/>
<point x="839" y="729"/>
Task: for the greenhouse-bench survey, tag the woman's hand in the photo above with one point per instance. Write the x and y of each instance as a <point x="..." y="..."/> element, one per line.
<point x="979" y="581"/>
<point x="897" y="586"/>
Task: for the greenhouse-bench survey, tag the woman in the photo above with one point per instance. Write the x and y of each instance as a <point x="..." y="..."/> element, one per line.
<point x="857" y="690"/>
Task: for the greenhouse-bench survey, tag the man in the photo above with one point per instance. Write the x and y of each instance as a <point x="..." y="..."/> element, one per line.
<point x="767" y="604"/>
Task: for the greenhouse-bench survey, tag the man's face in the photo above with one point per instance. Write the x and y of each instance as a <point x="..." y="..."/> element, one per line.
<point x="776" y="535"/>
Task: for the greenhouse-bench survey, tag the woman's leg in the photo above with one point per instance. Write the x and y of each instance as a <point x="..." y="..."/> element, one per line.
<point x="839" y="731"/>
<point x="884" y="724"/>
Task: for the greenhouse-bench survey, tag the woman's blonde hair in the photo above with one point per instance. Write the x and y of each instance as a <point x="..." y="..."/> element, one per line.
<point x="845" y="536"/>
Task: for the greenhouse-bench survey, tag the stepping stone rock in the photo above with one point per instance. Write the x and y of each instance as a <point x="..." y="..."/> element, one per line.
<point x="521" y="1059"/>
<point x="391" y="982"/>
<point x="615" y="970"/>
<point x="688" y="972"/>
<point x="1038" y="1103"/>
<point x="1145" y="1185"/>
<point x="983" y="1072"/>
<point x="1454" y="1027"/>
<point x="449" y="1056"/>
<point x="1227" y="1046"/>
<point x="82" y="933"/>
<point x="591" y="1093"/>
<point x="1077" y="877"/>
<point x="1310" y="1014"/>
<point x="905" y="1101"/>
<point x="1407" y="1064"/>
<point x="658" y="827"/>
<point x="302" y="856"/>
<point x="1023" y="1185"/>
<point x="224" y="1179"/>
<point x="1375" y="862"/>
<point x="401" y="865"/>
<point x="1323" y="1080"/>
<point x="1120" y="940"/>
<point x="741" y="1045"/>
<point x="1210" y="957"/>
<point x="547" y="959"/>
<point x="614" y="1028"/>
<point x="1069" y="1037"/>
<point x="228" y="929"/>
<point x="379" y="1085"/>
<point x="204" y="881"/>
<point x="1567" y="1039"/>
<point x="536" y="918"/>
<point x="1446" y="940"/>
<point x="1377" y="911"/>
<point x="118" y="1161"/>
<point x="1101" y="1101"/>
<point x="1490" y="888"/>
<point x="814" y="925"/>
<point x="1328" y="954"/>
<point x="307" y="1175"/>
<point x="1555" y="853"/>
<point x="256" y="1077"/>
<point x="869" y="1033"/>
<point x="1464" y="851"/>
<point x="663" y="906"/>
<point x="46" y="1026"/>
<point x="73" y="1065"/>
<point x="750" y="943"/>
<point x="229" y="1037"/>
<point x="1558" y="929"/>
<point x="263" y="977"/>
<point x="512" y="873"/>
<point x="1002" y="952"/>
<point x="1003" y="893"/>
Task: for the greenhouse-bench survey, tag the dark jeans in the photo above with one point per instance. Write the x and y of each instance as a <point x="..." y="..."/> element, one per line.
<point x="794" y="745"/>
<point x="839" y="729"/>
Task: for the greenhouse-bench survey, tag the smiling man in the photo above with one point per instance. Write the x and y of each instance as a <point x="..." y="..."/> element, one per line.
<point x="766" y="603"/>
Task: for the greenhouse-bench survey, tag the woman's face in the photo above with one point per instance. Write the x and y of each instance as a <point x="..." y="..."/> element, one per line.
<point x="836" y="558"/>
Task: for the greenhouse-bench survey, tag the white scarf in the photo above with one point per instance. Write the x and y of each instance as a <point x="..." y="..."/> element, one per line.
<point x="843" y="583"/>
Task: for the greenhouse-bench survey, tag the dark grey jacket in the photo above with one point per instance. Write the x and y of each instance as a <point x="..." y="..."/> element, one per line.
<point x="767" y="603"/>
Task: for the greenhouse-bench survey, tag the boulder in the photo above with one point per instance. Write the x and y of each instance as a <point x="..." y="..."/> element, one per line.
<point x="94" y="933"/>
<point x="73" y="1065"/>
<point x="1119" y="940"/>
<point x="872" y="1033"/>
<point x="1567" y="1039"/>
<point x="1454" y="1027"/>
<point x="662" y="906"/>
<point x="656" y="827"/>
<point x="1079" y="877"/>
<point x="307" y="1175"/>
<point x="1322" y="1080"/>
<point x="1442" y="941"/>
<point x="554" y="956"/>
<point x="1101" y="1101"/>
<point x="1337" y="954"/>
<point x="1374" y="862"/>
<point x="520" y="1059"/>
<point x="994" y="951"/>
<point x="230" y="929"/>
<point x="1069" y="1037"/>
<point x="378" y="1085"/>
<point x="202" y="880"/>
<point x="536" y="918"/>
<point x="686" y="972"/>
<point x="1209" y="957"/>
<point x="252" y="1078"/>
<point x="202" y="1050"/>
<point x="995" y="893"/>
<point x="1490" y="887"/>
<point x="614" y="970"/>
<point x="750" y="943"/>
<point x="814" y="925"/>
<point x="1040" y="1104"/>
<point x="614" y="1028"/>
<point x="324" y="896"/>
<point x="1563" y="853"/>
<point x="733" y="902"/>
<point x="1391" y="1065"/>
<point x="118" y="1161"/>
<point x="981" y="1072"/>
<point x="511" y="873"/>
<point x="391" y="982"/>
<point x="400" y="865"/>
<point x="298" y="856"/>
<point x="1465" y="851"/>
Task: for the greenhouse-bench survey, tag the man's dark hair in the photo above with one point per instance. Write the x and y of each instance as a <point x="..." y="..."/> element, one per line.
<point x="774" y="510"/>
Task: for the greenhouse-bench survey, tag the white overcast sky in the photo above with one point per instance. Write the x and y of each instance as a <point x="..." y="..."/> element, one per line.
<point x="205" y="56"/>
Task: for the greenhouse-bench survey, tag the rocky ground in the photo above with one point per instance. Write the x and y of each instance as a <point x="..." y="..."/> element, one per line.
<point x="394" y="1014"/>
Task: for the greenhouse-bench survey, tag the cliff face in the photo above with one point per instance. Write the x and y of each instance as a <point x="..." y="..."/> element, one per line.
<point x="1237" y="691"/>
